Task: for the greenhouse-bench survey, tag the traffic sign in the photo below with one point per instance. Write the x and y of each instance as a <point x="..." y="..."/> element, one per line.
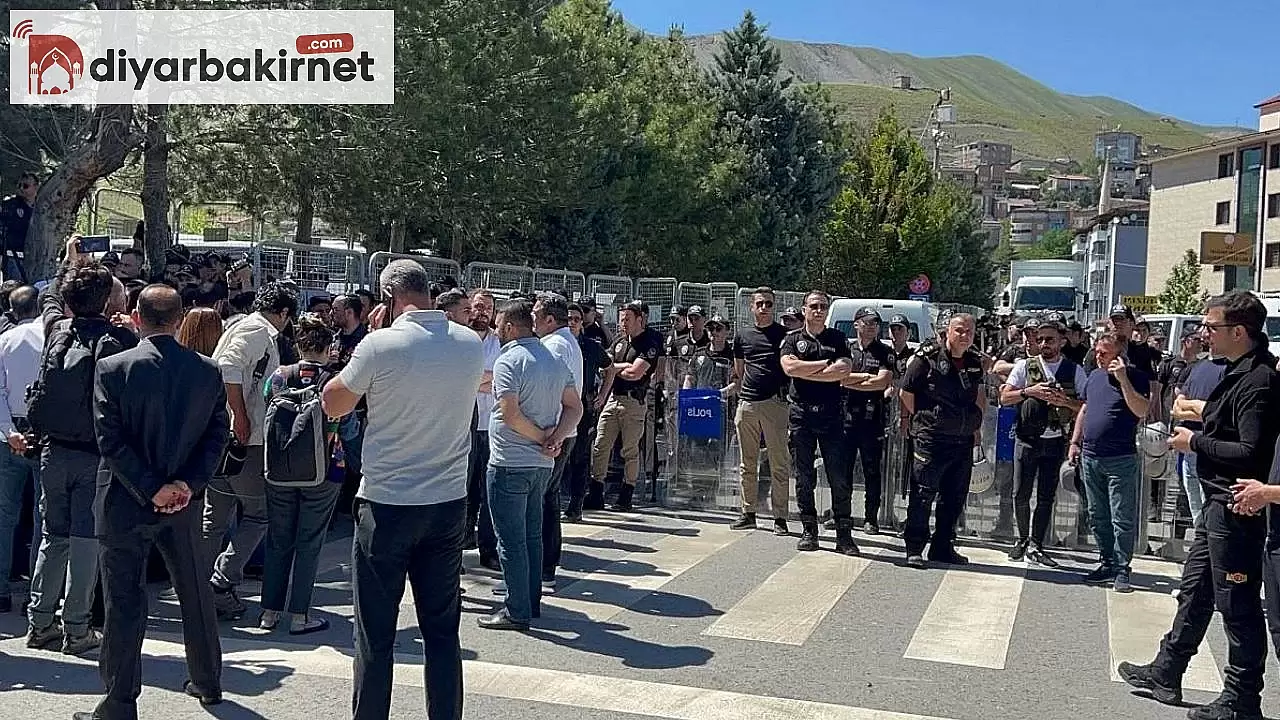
<point x="920" y="285"/>
<point x="921" y="298"/>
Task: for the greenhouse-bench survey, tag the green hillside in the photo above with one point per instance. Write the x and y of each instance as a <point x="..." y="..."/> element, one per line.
<point x="992" y="100"/>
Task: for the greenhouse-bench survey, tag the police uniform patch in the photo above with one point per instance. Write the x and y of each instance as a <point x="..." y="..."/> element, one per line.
<point x="20" y="212"/>
<point x="652" y="353"/>
<point x="685" y="350"/>
<point x="802" y="346"/>
<point x="1237" y="578"/>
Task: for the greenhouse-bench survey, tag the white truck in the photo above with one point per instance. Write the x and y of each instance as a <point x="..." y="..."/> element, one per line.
<point x="1040" y="286"/>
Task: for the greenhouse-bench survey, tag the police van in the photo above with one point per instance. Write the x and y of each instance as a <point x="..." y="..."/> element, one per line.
<point x="922" y="317"/>
<point x="1171" y="327"/>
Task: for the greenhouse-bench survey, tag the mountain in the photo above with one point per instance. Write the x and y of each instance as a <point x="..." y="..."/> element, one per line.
<point x="992" y="101"/>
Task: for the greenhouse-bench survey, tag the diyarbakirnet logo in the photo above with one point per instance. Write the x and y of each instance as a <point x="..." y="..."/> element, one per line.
<point x="55" y="64"/>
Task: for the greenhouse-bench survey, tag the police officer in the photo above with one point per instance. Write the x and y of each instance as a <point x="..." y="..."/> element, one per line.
<point x="899" y="336"/>
<point x="816" y="358"/>
<point x="791" y="319"/>
<point x="679" y="319"/>
<point x="15" y="218"/>
<point x="1045" y="388"/>
<point x="864" y="419"/>
<point x="943" y="393"/>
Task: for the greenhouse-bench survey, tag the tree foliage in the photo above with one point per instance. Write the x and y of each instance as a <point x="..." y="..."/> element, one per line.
<point x="1056" y="244"/>
<point x="1182" y="293"/>
<point x="892" y="221"/>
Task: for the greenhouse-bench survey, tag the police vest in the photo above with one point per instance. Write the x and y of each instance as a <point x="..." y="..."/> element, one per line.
<point x="1037" y="416"/>
<point x="953" y="412"/>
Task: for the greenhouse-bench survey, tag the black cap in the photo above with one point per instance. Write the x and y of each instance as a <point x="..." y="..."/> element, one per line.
<point x="317" y="299"/>
<point x="717" y="322"/>
<point x="1056" y="318"/>
<point x="696" y="310"/>
<point x="790" y="311"/>
<point x="1191" y="331"/>
<point x="1075" y="326"/>
<point x="639" y="307"/>
<point x="899" y="319"/>
<point x="588" y="302"/>
<point x="1122" y="310"/>
<point x="675" y="310"/>
<point x="111" y="258"/>
<point x="867" y="312"/>
<point x="1031" y="324"/>
<point x="187" y="269"/>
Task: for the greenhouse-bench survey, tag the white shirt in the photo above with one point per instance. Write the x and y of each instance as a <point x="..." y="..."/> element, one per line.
<point x="564" y="345"/>
<point x="238" y="353"/>
<point x="1018" y="380"/>
<point x="484" y="400"/>
<point x="20" y="351"/>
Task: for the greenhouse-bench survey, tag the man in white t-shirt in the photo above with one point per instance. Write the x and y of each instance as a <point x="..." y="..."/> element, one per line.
<point x="1045" y="388"/>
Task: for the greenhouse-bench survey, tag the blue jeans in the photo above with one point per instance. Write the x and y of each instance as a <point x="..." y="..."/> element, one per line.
<point x="1111" y="484"/>
<point x="15" y="473"/>
<point x="1191" y="486"/>
<point x="515" y="503"/>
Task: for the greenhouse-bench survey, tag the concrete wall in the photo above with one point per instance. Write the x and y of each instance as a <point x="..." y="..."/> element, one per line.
<point x="1185" y="193"/>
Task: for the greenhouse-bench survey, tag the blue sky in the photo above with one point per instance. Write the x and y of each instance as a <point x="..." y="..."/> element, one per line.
<point x="1207" y="61"/>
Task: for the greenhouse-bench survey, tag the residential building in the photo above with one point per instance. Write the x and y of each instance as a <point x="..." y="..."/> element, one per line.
<point x="1230" y="185"/>
<point x="1113" y="247"/>
<point x="1123" y="147"/>
<point x="1036" y="166"/>
<point x="973" y="154"/>
<point x="1066" y="183"/>
<point x="1028" y="225"/>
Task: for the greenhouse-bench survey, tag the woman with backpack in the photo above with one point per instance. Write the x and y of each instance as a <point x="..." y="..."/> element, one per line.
<point x="303" y="471"/>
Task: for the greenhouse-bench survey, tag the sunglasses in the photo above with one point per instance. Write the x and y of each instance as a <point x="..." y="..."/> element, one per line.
<point x="818" y="306"/>
<point x="764" y="303"/>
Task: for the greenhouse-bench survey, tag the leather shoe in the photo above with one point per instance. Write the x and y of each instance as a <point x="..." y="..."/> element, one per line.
<point x="82" y="715"/>
<point x="195" y="691"/>
<point x="501" y="621"/>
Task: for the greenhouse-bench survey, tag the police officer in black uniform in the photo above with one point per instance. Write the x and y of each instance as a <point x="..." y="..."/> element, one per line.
<point x="899" y="336"/>
<point x="943" y="393"/>
<point x="15" y="219"/>
<point x="816" y="358"/>
<point x="864" y="419"/>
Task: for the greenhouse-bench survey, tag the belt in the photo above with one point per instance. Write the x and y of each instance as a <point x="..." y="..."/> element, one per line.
<point x="816" y="408"/>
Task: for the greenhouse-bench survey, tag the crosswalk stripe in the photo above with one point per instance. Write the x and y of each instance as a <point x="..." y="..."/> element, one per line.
<point x="605" y="593"/>
<point x="1137" y="621"/>
<point x="970" y="619"/>
<point x="790" y="604"/>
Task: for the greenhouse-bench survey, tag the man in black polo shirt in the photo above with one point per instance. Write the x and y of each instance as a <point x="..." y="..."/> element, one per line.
<point x="591" y="327"/>
<point x="816" y="358"/>
<point x="864" y="415"/>
<point x="762" y="412"/>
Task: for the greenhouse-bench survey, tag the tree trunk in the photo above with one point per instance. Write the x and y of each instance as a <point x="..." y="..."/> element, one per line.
<point x="155" y="186"/>
<point x="306" y="204"/>
<point x="99" y="150"/>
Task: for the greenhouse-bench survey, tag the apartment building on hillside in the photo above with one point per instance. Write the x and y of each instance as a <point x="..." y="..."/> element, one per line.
<point x="975" y="154"/>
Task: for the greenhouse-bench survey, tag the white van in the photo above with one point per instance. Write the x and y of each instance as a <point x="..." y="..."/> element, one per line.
<point x="1172" y="327"/>
<point x="922" y="317"/>
<point x="1271" y="301"/>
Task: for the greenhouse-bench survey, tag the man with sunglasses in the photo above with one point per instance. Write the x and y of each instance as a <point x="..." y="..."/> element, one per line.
<point x="15" y="219"/>
<point x="816" y="358"/>
<point x="1044" y="388"/>
<point x="1224" y="567"/>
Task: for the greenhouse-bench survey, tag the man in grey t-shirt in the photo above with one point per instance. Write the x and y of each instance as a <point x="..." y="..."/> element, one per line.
<point x="536" y="407"/>
<point x="419" y="377"/>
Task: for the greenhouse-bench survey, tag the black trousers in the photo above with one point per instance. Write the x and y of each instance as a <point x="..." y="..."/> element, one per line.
<point x="1271" y="591"/>
<point x="552" y="538"/>
<point x="422" y="543"/>
<point x="1223" y="572"/>
<point x="1036" y="465"/>
<point x="578" y="474"/>
<point x="123" y="558"/>
<point x="942" y="471"/>
<point x="478" y="519"/>
<point x="865" y="441"/>
<point x="814" y="429"/>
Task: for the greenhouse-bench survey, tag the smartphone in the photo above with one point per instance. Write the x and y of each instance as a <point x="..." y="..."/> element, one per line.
<point x="93" y="244"/>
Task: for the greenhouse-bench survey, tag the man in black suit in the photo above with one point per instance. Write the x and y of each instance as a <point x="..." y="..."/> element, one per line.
<point x="161" y="422"/>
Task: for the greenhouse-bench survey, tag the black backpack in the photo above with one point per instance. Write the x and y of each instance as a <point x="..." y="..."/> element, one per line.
<point x="60" y="401"/>
<point x="295" y="435"/>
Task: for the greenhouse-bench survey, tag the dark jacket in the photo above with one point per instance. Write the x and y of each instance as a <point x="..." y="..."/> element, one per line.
<point x="160" y="412"/>
<point x="1241" y="422"/>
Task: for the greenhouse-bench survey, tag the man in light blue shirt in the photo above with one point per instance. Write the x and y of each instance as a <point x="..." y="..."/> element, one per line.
<point x="551" y="323"/>
<point x="536" y="407"/>
<point x="20" y="350"/>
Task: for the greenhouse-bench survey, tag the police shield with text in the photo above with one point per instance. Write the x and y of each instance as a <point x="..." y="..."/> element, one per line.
<point x="942" y="392"/>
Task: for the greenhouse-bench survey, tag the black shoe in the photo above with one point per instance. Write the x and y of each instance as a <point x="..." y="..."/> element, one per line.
<point x="570" y="516"/>
<point x="1019" y="550"/>
<point x="501" y="621"/>
<point x="469" y="542"/>
<point x="226" y="603"/>
<point x="745" y="521"/>
<point x="916" y="561"/>
<point x="1102" y="575"/>
<point x="1146" y="677"/>
<point x="623" y="503"/>
<point x="83" y="715"/>
<point x="595" y="497"/>
<point x="1225" y="708"/>
<point x="205" y="698"/>
<point x="491" y="563"/>
<point x="808" y="537"/>
<point x="6" y="603"/>
<point x="780" y="528"/>
<point x="844" y="542"/>
<point x="871" y="527"/>
<point x="1038" y="556"/>
<point x="948" y="558"/>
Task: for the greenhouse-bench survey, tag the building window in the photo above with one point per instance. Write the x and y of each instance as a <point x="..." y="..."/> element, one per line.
<point x="1218" y="268"/>
<point x="1272" y="258"/>
<point x="1222" y="215"/>
<point x="1226" y="165"/>
<point x="1273" y="205"/>
<point x="1274" y="162"/>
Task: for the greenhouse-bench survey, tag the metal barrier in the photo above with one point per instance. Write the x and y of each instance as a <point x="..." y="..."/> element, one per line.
<point x="437" y="269"/>
<point x="219" y="221"/>
<point x="724" y="301"/>
<point x="660" y="295"/>
<point x="689" y="294"/>
<point x="114" y="212"/>
<point x="502" y="280"/>
<point x="610" y="293"/>
<point x="568" y="281"/>
<point x="315" y="269"/>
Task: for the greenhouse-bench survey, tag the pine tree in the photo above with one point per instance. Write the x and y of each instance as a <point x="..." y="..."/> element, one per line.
<point x="1182" y="293"/>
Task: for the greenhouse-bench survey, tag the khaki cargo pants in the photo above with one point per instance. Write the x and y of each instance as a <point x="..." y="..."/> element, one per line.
<point x="625" y="416"/>
<point x="767" y="417"/>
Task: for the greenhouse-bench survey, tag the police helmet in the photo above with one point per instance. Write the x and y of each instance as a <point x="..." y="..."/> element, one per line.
<point x="1153" y="438"/>
<point x="1067" y="477"/>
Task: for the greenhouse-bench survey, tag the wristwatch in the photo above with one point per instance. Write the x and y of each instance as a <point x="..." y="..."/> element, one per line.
<point x="1022" y="393"/>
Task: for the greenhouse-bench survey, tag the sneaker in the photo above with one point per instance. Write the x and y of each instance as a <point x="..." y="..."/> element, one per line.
<point x="548" y="586"/>
<point x="1225" y="708"/>
<point x="745" y="521"/>
<point x="871" y="528"/>
<point x="78" y="645"/>
<point x="45" y="638"/>
<point x="305" y="625"/>
<point x="227" y="605"/>
<point x="780" y="528"/>
<point x="916" y="561"/>
<point x="1040" y="557"/>
<point x="1121" y="583"/>
<point x="1102" y="575"/>
<point x="169" y="594"/>
<point x="808" y="538"/>
<point x="1145" y="677"/>
<point x="829" y="524"/>
<point x="1019" y="550"/>
<point x="269" y="620"/>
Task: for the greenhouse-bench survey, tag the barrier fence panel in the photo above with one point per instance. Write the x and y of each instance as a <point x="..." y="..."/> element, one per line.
<point x="689" y="294"/>
<point x="437" y="268"/>
<point x="315" y="269"/>
<point x="610" y="293"/>
<point x="220" y="221"/>
<point x="502" y="280"/>
<point x="724" y="301"/>
<point x="659" y="294"/>
<point x="114" y="212"/>
<point x="569" y="281"/>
